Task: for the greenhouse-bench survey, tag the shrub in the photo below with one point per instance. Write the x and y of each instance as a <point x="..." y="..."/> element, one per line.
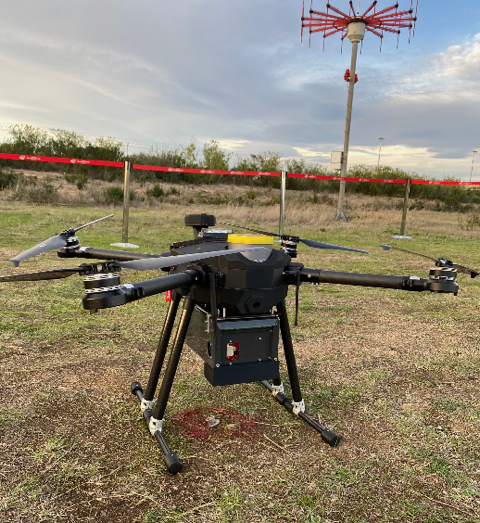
<point x="8" y="180"/>
<point x="114" y="195"/>
<point x="81" y="181"/>
<point x="78" y="179"/>
<point x="472" y="221"/>
<point x="30" y="189"/>
<point x="157" y="191"/>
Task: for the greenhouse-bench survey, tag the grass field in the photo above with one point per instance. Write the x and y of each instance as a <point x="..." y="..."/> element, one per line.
<point x="395" y="374"/>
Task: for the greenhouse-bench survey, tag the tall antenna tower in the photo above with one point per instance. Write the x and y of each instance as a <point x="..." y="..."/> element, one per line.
<point x="352" y="25"/>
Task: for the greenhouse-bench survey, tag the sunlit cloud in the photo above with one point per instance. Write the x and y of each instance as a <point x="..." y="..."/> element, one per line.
<point x="448" y="76"/>
<point x="232" y="145"/>
<point x="311" y="154"/>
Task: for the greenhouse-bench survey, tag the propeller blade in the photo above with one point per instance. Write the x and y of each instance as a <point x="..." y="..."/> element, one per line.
<point x="388" y="247"/>
<point x="321" y="245"/>
<point x="53" y="243"/>
<point x="253" y="230"/>
<point x="310" y="243"/>
<point x="465" y="270"/>
<point x="442" y="261"/>
<point x="56" y="274"/>
<point x="172" y="261"/>
<point x="94" y="221"/>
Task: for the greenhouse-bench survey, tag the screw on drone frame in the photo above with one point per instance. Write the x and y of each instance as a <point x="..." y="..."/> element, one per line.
<point x="353" y="25"/>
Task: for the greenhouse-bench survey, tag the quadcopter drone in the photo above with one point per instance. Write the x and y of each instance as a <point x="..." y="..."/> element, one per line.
<point x="233" y="289"/>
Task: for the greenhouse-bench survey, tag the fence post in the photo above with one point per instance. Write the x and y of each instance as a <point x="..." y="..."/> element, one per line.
<point x="405" y="208"/>
<point x="283" y="190"/>
<point x="126" y="208"/>
<point x="126" y="200"/>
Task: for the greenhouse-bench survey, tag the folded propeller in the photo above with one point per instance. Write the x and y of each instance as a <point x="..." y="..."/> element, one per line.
<point x="54" y="243"/>
<point x="439" y="262"/>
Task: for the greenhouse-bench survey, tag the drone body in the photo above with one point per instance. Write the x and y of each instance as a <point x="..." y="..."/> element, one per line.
<point x="234" y="309"/>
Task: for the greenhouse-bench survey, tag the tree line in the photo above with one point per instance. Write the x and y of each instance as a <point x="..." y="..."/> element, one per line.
<point x="29" y="140"/>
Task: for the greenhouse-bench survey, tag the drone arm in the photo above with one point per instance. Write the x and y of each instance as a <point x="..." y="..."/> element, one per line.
<point x="386" y="281"/>
<point x="104" y="254"/>
<point x="107" y="297"/>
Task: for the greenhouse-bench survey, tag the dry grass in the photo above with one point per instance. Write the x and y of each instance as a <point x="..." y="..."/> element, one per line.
<point x="395" y="374"/>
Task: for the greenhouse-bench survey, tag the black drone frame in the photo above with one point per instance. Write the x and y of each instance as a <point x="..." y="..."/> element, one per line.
<point x="249" y="285"/>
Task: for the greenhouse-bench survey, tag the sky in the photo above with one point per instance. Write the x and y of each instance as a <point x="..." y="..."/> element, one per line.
<point x="175" y="72"/>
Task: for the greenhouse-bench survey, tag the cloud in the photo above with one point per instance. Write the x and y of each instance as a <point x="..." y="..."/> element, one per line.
<point x="448" y="75"/>
<point x="461" y="63"/>
<point x="235" y="72"/>
<point x="311" y="154"/>
<point x="230" y="145"/>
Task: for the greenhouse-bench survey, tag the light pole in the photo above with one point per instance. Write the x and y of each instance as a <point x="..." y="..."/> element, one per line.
<point x="473" y="163"/>
<point x="380" y="150"/>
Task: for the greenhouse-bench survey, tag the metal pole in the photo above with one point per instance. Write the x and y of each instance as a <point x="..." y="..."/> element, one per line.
<point x="405" y="208"/>
<point x="126" y="208"/>
<point x="341" y="197"/>
<point x="283" y="189"/>
<point x="473" y="163"/>
<point x="126" y="200"/>
<point x="379" y="151"/>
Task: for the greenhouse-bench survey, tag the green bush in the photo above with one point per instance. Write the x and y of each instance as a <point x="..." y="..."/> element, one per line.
<point x="78" y="179"/>
<point x="114" y="195"/>
<point x="157" y="191"/>
<point x="8" y="180"/>
<point x="82" y="180"/>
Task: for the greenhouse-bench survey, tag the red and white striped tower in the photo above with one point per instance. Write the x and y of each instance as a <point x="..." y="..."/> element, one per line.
<point x="353" y="26"/>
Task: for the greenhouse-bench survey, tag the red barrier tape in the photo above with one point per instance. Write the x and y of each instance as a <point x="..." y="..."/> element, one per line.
<point x="55" y="159"/>
<point x="436" y="182"/>
<point x="346" y="178"/>
<point x="202" y="171"/>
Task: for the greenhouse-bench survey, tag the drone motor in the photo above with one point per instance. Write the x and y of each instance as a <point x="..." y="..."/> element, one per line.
<point x="101" y="280"/>
<point x="443" y="273"/>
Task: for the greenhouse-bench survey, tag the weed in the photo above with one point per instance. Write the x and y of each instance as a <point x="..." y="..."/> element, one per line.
<point x="448" y="404"/>
<point x="471" y="221"/>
